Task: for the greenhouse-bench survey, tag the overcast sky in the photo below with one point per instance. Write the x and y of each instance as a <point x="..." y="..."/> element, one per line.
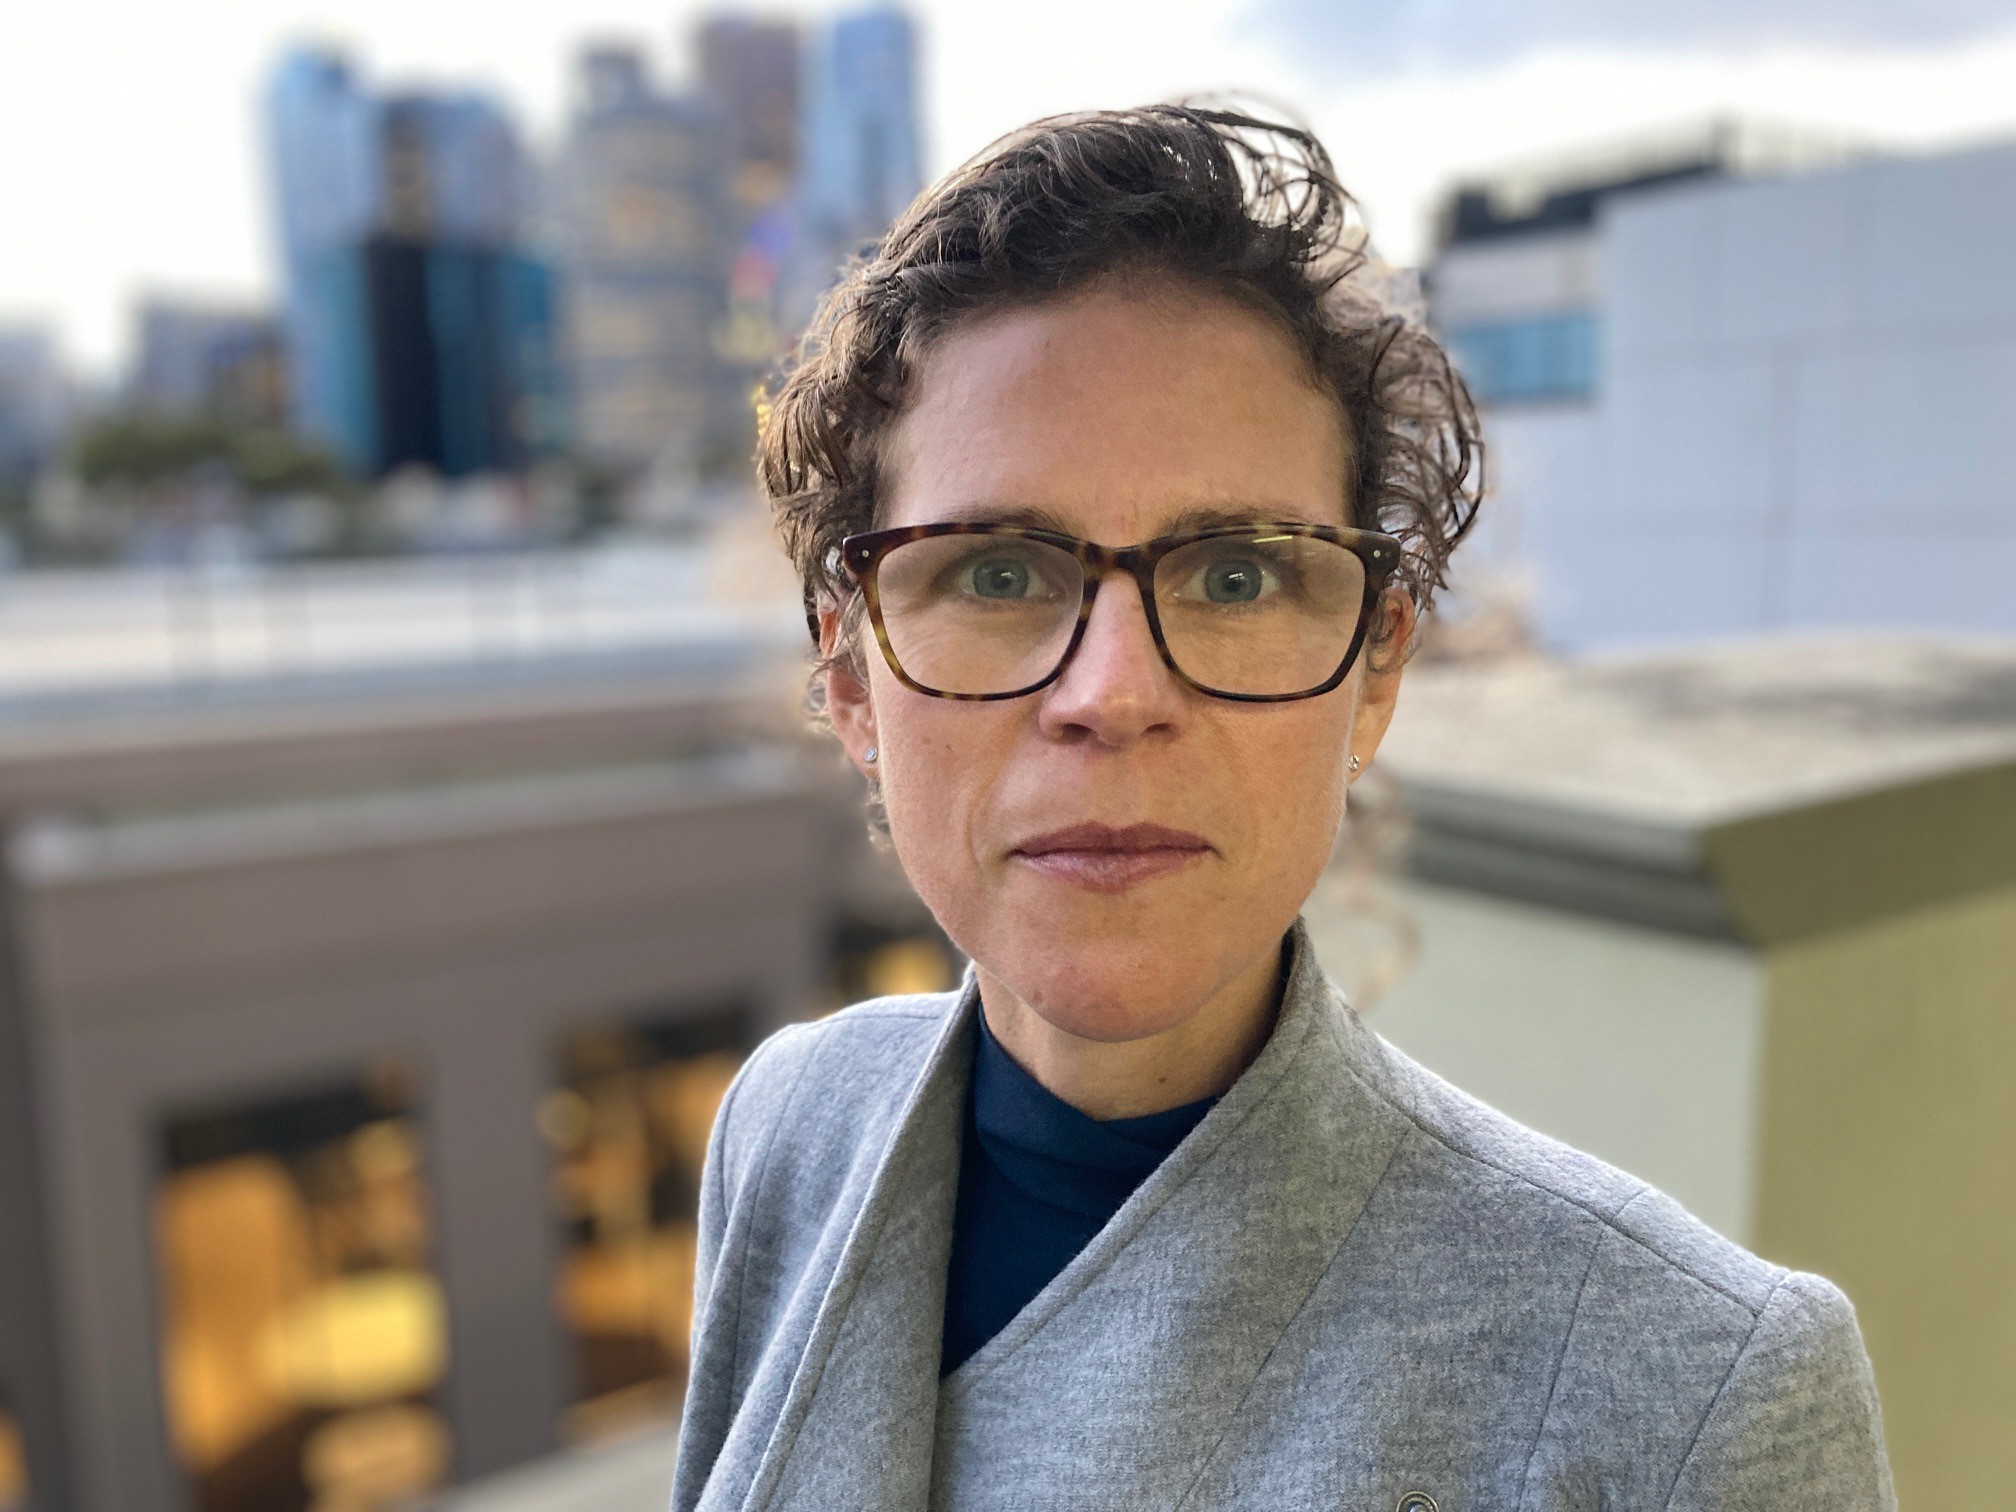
<point x="1387" y="34"/>
<point x="130" y="158"/>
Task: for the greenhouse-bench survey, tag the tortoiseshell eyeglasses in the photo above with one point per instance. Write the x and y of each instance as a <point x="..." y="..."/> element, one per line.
<point x="1260" y="612"/>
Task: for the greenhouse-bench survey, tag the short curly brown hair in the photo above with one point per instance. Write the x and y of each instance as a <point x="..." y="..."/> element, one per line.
<point x="1217" y="199"/>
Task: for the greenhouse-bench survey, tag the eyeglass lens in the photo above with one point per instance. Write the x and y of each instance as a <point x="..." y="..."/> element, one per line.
<point x="1258" y="613"/>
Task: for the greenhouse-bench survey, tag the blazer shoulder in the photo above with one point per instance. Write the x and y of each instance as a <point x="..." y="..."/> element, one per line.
<point x="1568" y="1180"/>
<point x="1796" y="1422"/>
<point x="871" y="1051"/>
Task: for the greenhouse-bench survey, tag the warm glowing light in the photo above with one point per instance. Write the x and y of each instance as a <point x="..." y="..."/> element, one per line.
<point x="365" y="1338"/>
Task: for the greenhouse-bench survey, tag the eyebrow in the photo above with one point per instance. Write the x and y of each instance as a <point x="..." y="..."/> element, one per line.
<point x="1033" y="516"/>
<point x="1205" y="516"/>
<point x="1196" y="517"/>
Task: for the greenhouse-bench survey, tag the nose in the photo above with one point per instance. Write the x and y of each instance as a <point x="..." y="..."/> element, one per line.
<point x="1116" y="687"/>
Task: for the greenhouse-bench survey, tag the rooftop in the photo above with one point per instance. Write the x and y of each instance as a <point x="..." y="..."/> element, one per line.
<point x="1704" y="736"/>
<point x="1762" y="790"/>
<point x="137" y="641"/>
<point x="1564" y="190"/>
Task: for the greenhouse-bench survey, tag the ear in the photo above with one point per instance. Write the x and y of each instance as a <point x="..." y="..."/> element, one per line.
<point x="1384" y="659"/>
<point x="849" y="703"/>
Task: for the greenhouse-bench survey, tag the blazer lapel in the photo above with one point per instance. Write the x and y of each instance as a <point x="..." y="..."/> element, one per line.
<point x="1110" y="1388"/>
<point x="857" y="1423"/>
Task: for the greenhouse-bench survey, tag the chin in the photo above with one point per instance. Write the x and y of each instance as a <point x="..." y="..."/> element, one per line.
<point x="1110" y="988"/>
<point x="1108" y="967"/>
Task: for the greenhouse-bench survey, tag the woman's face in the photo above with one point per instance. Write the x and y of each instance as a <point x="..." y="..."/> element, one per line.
<point x="1117" y="416"/>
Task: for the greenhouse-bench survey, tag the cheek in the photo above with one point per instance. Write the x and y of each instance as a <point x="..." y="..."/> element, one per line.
<point x="941" y="761"/>
<point x="1291" y="779"/>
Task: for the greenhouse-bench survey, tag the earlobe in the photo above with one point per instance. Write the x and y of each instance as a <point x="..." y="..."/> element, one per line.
<point x="846" y="696"/>
<point x="852" y="714"/>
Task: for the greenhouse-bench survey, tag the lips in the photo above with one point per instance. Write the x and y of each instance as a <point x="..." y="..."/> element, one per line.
<point x="1110" y="858"/>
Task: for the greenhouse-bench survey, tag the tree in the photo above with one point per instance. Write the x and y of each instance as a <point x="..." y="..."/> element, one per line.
<point x="143" y="449"/>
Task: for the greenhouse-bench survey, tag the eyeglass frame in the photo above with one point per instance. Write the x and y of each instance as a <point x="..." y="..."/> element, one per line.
<point x="1380" y="554"/>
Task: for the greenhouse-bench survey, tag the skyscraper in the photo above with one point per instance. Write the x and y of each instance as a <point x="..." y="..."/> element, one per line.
<point x="322" y="138"/>
<point x="749" y="74"/>
<point x="637" y="213"/>
<point x="420" y="330"/>
<point x="859" y="153"/>
<point x="33" y="401"/>
<point x="206" y="359"/>
<point x="860" y="159"/>
<point x="446" y="288"/>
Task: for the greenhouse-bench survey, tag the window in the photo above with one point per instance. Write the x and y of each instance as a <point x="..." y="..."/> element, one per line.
<point x="1533" y="358"/>
<point x="13" y="1463"/>
<point x="629" y="1123"/>
<point x="303" y="1330"/>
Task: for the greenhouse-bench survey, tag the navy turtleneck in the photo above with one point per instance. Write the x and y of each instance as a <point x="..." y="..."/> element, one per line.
<point x="1037" y="1179"/>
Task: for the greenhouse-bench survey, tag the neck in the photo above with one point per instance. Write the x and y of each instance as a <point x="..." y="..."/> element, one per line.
<point x="1199" y="1057"/>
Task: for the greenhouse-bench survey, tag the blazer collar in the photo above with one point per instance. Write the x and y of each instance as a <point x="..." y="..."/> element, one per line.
<point x="866" y="1412"/>
<point x="856" y="1425"/>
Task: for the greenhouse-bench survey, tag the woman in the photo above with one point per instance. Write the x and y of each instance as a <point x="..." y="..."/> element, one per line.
<point x="1117" y="494"/>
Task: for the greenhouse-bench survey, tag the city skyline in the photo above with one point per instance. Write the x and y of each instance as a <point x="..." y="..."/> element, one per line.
<point x="180" y="209"/>
<point x="419" y="322"/>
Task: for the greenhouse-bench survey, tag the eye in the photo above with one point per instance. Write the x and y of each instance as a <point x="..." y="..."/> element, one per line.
<point x="1235" y="581"/>
<point x="999" y="578"/>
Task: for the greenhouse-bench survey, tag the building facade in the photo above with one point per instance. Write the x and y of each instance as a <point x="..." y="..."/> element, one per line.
<point x="352" y="1105"/>
<point x="421" y="327"/>
<point x="1718" y="398"/>
<point x="860" y="150"/>
<point x="33" y="402"/>
<point x="321" y="128"/>
<point x="198" y="359"/>
<point x="635" y="214"/>
<point x="749" y="72"/>
<point x="696" y="231"/>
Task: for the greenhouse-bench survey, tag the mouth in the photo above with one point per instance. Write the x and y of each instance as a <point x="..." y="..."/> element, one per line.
<point x="1108" y="858"/>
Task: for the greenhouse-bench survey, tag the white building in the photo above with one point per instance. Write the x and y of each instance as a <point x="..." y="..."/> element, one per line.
<point x="34" y="401"/>
<point x="1735" y="391"/>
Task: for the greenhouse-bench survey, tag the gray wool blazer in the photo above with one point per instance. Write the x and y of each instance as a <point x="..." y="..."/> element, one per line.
<point x="1351" y="1285"/>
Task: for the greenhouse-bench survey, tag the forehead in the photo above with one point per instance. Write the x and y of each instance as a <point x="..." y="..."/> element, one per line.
<point x="1114" y="413"/>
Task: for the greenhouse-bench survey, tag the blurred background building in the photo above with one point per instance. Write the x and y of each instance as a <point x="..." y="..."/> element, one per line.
<point x="426" y="327"/>
<point x="860" y="142"/>
<point x="197" y="359"/>
<point x="326" y="192"/>
<point x="34" y="415"/>
<point x="637" y="204"/>
<point x="369" y="981"/>
<point x="1766" y="362"/>
<point x="748" y="73"/>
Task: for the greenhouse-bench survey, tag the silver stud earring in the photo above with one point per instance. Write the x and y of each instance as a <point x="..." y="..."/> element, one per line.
<point x="870" y="754"/>
<point x="1352" y="763"/>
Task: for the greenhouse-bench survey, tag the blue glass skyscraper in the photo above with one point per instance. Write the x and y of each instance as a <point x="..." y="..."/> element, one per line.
<point x="447" y="288"/>
<point x="860" y="157"/>
<point x="859" y="154"/>
<point x="419" y="331"/>
<point x="323" y="139"/>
